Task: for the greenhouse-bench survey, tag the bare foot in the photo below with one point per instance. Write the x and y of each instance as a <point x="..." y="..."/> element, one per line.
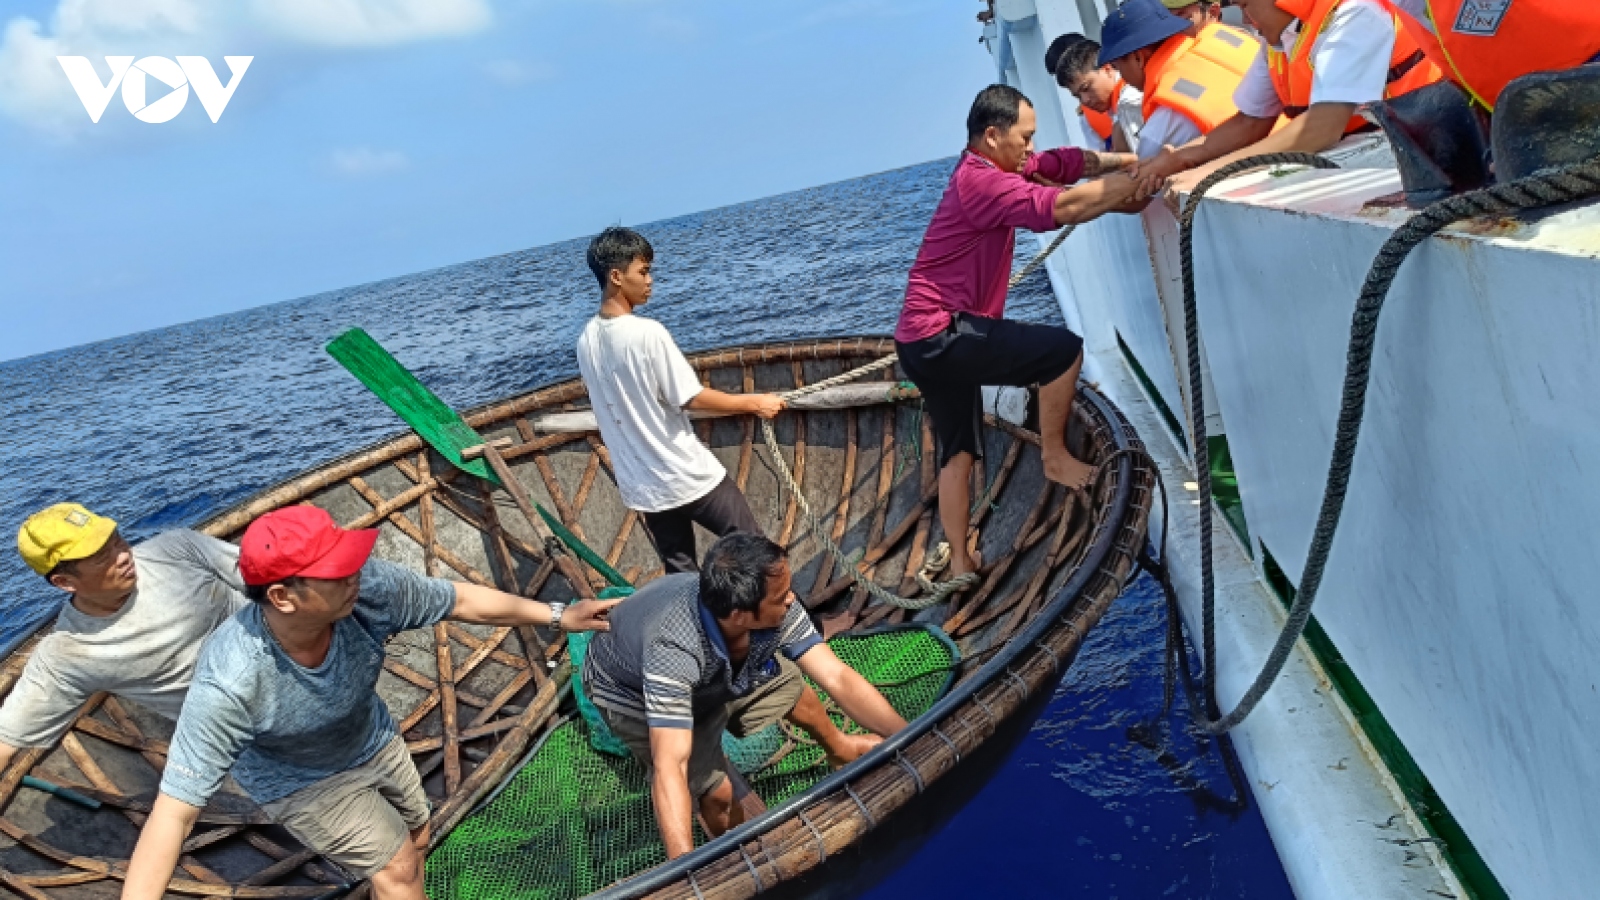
<point x="851" y="747"/>
<point x="1065" y="469"/>
<point x="971" y="561"/>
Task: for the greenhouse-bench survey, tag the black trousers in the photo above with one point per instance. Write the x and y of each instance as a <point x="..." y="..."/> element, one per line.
<point x="721" y="512"/>
<point x="951" y="367"/>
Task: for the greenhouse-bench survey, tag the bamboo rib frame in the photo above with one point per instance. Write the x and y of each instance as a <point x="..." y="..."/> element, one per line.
<point x="470" y="699"/>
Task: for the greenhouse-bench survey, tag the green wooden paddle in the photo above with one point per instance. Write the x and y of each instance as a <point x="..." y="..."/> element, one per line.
<point x="442" y="427"/>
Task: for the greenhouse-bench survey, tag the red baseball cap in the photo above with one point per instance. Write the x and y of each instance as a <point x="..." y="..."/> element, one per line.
<point x="301" y="541"/>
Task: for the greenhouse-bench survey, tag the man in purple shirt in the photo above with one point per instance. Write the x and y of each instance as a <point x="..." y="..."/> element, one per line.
<point x="951" y="337"/>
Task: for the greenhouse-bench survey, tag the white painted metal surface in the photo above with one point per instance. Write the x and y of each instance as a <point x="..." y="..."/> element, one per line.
<point x="1458" y="587"/>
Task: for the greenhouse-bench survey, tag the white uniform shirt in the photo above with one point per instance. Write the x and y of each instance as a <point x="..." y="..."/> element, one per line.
<point x="1129" y="113"/>
<point x="638" y="382"/>
<point x="1350" y="59"/>
<point x="1165" y="126"/>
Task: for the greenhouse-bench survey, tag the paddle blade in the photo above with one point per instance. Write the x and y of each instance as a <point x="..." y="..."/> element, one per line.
<point x="438" y="424"/>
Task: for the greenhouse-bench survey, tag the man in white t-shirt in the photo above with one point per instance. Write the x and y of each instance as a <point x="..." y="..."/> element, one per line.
<point x="641" y="388"/>
<point x="1352" y="64"/>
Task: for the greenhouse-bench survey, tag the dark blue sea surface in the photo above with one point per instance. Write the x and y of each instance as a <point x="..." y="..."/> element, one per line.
<point x="166" y="428"/>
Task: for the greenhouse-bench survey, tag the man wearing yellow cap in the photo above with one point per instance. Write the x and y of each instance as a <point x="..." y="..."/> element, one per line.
<point x="1200" y="12"/>
<point x="133" y="625"/>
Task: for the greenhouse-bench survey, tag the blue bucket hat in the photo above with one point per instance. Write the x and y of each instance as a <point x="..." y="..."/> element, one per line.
<point x="1138" y="23"/>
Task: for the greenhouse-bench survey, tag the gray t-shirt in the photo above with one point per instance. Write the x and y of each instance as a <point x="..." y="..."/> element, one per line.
<point x="188" y="584"/>
<point x="280" y="726"/>
<point x="664" y="659"/>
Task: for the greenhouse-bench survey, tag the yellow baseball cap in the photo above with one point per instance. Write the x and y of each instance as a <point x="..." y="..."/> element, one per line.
<point x="62" y="533"/>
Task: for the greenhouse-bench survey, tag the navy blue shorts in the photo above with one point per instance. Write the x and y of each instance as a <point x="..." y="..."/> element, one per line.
<point x="950" y="369"/>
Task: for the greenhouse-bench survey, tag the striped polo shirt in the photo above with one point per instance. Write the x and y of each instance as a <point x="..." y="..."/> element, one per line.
<point x="664" y="659"/>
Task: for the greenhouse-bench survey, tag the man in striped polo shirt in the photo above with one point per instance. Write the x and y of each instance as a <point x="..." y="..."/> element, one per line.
<point x="692" y="655"/>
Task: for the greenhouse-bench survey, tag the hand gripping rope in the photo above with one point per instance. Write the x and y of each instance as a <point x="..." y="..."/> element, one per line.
<point x="932" y="593"/>
<point x="1549" y="187"/>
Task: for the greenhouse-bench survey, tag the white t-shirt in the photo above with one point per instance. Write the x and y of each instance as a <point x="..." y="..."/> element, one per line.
<point x="1165" y="126"/>
<point x="1350" y="59"/>
<point x="638" y="382"/>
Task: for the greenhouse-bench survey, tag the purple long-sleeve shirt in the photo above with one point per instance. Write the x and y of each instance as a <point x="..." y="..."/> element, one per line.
<point x="965" y="260"/>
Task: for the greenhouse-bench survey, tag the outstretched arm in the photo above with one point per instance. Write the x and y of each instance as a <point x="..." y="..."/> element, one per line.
<point x="669" y="788"/>
<point x="1318" y="129"/>
<point x="1237" y="133"/>
<point x="487" y="606"/>
<point x="1084" y="202"/>
<point x="160" y="843"/>
<point x="854" y="694"/>
<point x="712" y="400"/>
<point x="1097" y="163"/>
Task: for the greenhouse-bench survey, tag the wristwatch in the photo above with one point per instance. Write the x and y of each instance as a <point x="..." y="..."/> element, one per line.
<point x="556" y="609"/>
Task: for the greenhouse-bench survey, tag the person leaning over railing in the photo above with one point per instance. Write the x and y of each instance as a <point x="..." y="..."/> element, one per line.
<point x="132" y="626"/>
<point x="285" y="698"/>
<point x="1188" y="76"/>
<point x="1484" y="46"/>
<point x="1200" y="13"/>
<point x="1112" y="108"/>
<point x="1324" y="59"/>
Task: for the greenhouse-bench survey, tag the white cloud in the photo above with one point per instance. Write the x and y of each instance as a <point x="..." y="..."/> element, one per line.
<point x="363" y="162"/>
<point x="516" y="72"/>
<point x="34" y="90"/>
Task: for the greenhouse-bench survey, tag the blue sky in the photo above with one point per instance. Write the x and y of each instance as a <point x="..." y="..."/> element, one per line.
<point x="372" y="138"/>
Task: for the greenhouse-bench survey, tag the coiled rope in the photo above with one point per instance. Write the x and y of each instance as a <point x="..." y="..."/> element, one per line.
<point x="933" y="593"/>
<point x="1550" y="187"/>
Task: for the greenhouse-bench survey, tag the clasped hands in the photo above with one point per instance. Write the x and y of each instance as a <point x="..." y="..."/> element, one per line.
<point x="1167" y="173"/>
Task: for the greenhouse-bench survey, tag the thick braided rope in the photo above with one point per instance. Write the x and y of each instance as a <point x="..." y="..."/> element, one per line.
<point x="1550" y="187"/>
<point x="1202" y="455"/>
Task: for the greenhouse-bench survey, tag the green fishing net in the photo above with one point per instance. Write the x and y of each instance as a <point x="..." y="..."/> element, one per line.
<point x="574" y="820"/>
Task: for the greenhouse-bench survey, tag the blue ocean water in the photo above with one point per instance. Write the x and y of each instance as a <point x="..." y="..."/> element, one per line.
<point x="164" y="428"/>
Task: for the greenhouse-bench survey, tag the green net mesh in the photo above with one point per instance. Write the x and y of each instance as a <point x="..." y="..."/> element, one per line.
<point x="574" y="820"/>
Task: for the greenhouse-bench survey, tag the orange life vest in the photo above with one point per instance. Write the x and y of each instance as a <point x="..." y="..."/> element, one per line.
<point x="1102" y="123"/>
<point x="1292" y="75"/>
<point x="1483" y="45"/>
<point x="1196" y="76"/>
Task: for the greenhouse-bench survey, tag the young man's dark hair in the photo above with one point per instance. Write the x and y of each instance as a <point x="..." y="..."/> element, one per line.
<point x="617" y="248"/>
<point x="257" y="593"/>
<point x="1052" y="56"/>
<point x="733" y="576"/>
<point x="998" y="106"/>
<point x="1077" y="61"/>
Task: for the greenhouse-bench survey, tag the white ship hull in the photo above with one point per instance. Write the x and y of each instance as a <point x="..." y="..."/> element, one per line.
<point x="1459" y="588"/>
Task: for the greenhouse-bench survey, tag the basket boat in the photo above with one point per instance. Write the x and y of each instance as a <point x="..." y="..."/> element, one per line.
<point x="472" y="700"/>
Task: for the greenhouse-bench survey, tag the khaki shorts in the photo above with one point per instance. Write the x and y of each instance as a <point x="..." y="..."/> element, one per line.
<point x="740" y="718"/>
<point x="361" y="817"/>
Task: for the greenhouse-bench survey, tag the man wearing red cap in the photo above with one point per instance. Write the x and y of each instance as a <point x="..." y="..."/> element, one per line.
<point x="285" y="698"/>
